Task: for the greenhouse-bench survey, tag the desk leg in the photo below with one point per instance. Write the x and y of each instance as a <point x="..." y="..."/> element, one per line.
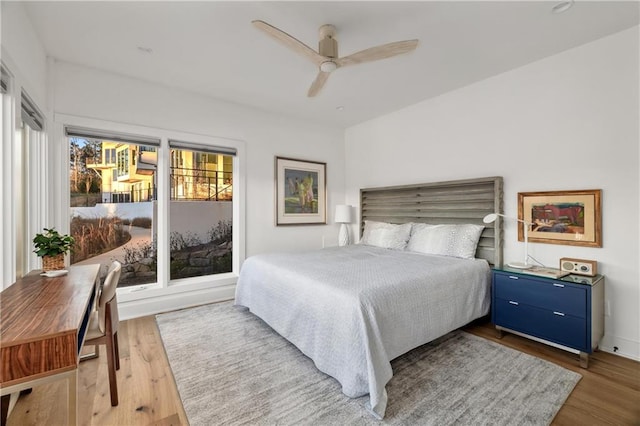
<point x="5" y="409"/>
<point x="72" y="398"/>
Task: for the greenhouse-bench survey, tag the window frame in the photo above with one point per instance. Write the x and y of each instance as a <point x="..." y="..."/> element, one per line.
<point x="26" y="173"/>
<point x="7" y="178"/>
<point x="164" y="287"/>
<point x="33" y="196"/>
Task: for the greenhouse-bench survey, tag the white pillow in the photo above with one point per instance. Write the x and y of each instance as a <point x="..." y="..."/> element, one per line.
<point x="448" y="240"/>
<point x="386" y="235"/>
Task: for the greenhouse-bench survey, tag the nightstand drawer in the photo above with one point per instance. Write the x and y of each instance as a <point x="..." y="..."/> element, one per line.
<point x="545" y="324"/>
<point x="547" y="294"/>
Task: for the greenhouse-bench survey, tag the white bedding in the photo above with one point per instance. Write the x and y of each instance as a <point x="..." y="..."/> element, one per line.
<point x="353" y="309"/>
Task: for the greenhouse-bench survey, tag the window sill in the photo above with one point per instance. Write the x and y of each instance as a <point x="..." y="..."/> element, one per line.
<point x="151" y="290"/>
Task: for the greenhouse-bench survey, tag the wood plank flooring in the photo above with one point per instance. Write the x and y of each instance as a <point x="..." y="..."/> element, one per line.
<point x="608" y="394"/>
<point x="146" y="388"/>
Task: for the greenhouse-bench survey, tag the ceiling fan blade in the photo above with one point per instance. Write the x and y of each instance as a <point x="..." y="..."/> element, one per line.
<point x="318" y="83"/>
<point x="289" y="41"/>
<point x="378" y="52"/>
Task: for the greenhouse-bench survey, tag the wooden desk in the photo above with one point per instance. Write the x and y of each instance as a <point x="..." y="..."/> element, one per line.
<point x="42" y="327"/>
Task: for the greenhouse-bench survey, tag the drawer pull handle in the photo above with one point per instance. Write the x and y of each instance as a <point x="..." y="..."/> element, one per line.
<point x="513" y="278"/>
<point x="558" y="285"/>
<point x="558" y="313"/>
<point x="513" y="303"/>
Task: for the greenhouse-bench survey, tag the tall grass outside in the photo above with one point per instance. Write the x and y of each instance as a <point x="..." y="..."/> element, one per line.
<point x="96" y="236"/>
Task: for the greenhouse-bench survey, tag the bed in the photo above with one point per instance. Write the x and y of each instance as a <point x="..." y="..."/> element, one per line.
<point x="354" y="309"/>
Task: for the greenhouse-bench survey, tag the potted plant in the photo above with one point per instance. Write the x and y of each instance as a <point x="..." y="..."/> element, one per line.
<point x="52" y="246"/>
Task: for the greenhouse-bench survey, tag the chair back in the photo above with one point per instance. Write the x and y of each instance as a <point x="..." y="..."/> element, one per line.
<point x="108" y="295"/>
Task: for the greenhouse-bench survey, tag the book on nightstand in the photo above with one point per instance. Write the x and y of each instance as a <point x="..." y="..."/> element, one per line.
<point x="541" y="271"/>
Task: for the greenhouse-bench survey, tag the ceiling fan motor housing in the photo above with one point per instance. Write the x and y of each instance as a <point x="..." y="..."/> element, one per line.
<point x="328" y="45"/>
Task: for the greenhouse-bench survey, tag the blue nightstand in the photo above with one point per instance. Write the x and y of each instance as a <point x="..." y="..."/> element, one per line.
<point x="565" y="312"/>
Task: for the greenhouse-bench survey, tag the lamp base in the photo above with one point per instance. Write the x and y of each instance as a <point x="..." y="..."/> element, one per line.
<point x="343" y="236"/>
<point x="519" y="265"/>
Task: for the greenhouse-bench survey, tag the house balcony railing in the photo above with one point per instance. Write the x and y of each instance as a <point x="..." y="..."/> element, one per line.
<point x="97" y="163"/>
<point x="186" y="185"/>
<point x="200" y="184"/>
<point x="131" y="196"/>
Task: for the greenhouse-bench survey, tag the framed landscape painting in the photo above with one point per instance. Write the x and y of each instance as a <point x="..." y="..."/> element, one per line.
<point x="562" y="217"/>
<point x="301" y="194"/>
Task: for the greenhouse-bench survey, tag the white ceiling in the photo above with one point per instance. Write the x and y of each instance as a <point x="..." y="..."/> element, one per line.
<point x="211" y="47"/>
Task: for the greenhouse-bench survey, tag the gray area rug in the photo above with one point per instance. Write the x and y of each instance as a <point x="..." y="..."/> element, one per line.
<point x="233" y="369"/>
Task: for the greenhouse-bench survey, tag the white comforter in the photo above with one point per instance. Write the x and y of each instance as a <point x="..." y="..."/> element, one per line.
<point x="353" y="309"/>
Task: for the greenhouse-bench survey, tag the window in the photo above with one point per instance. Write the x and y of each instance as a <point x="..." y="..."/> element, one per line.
<point x="23" y="180"/>
<point x="181" y="235"/>
<point x="123" y="160"/>
<point x="31" y="172"/>
<point x="112" y="208"/>
<point x="201" y="212"/>
<point x="8" y="248"/>
<point x="109" y="156"/>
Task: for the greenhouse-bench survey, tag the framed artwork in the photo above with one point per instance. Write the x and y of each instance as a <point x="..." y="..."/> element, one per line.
<point x="301" y="192"/>
<point x="562" y="217"/>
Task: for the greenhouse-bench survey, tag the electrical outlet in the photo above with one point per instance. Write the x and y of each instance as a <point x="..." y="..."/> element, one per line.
<point x="607" y="308"/>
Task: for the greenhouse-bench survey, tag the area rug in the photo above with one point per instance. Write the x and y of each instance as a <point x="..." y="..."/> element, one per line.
<point x="233" y="369"/>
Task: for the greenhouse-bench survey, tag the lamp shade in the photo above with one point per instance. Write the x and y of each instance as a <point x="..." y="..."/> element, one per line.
<point x="343" y="214"/>
<point x="491" y="217"/>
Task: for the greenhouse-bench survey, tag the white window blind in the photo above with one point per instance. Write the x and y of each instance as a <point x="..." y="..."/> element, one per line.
<point x="4" y="80"/>
<point x="212" y="149"/>
<point x="82" y="132"/>
<point x="31" y="115"/>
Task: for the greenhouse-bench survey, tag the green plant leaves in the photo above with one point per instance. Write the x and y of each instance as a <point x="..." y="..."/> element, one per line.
<point x="52" y="243"/>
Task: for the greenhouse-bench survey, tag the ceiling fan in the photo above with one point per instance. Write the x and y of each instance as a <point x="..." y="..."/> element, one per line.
<point x="326" y="58"/>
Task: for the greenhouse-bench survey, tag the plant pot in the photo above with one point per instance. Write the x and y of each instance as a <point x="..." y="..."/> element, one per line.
<point x="53" y="263"/>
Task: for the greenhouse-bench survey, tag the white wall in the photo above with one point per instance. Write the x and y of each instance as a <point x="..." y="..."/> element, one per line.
<point x="566" y="122"/>
<point x="23" y="52"/>
<point x="87" y="92"/>
<point x="190" y="218"/>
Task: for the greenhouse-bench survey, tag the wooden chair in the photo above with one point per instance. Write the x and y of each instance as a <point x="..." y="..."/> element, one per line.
<point x="103" y="328"/>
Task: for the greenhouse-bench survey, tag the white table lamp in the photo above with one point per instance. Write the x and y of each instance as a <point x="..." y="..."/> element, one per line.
<point x="491" y="217"/>
<point x="343" y="216"/>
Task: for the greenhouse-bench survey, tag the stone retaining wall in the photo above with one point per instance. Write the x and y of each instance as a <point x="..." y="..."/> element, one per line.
<point x="206" y="259"/>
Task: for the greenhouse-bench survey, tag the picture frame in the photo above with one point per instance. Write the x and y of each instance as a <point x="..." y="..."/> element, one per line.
<point x="301" y="192"/>
<point x="562" y="217"/>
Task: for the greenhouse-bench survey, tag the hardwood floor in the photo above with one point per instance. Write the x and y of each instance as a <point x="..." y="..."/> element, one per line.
<point x="608" y="394"/>
<point x="146" y="389"/>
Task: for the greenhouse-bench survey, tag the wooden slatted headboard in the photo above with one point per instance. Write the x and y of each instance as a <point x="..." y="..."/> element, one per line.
<point x="453" y="202"/>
